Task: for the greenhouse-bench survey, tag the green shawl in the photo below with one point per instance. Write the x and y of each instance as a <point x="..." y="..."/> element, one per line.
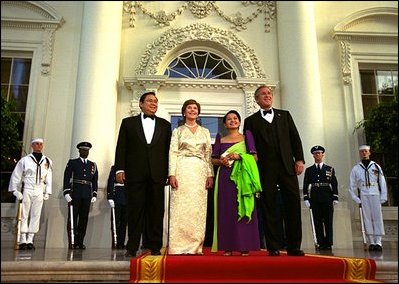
<point x="245" y="175"/>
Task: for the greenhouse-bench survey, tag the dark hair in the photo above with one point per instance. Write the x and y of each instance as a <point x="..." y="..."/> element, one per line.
<point x="190" y="102"/>
<point x="261" y="87"/>
<point x="231" y="111"/>
<point x="143" y="96"/>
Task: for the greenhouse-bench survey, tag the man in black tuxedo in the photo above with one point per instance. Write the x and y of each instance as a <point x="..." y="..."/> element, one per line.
<point x="80" y="190"/>
<point x="280" y="160"/>
<point x="141" y="163"/>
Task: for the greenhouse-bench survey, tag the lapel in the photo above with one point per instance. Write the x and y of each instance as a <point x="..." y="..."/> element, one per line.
<point x="140" y="129"/>
<point x="157" y="131"/>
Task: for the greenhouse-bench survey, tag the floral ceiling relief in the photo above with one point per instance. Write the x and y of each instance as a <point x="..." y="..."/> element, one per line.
<point x="202" y="9"/>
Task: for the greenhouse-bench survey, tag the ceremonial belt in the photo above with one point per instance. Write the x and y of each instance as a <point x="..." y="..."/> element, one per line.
<point x="119" y="184"/>
<point x="81" y="181"/>
<point x="318" y="184"/>
<point x="370" y="184"/>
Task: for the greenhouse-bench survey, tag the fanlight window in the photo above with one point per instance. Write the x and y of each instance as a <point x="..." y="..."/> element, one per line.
<point x="200" y="65"/>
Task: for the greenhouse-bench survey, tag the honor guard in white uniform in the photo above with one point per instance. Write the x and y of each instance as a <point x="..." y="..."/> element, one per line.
<point x="368" y="188"/>
<point x="33" y="176"/>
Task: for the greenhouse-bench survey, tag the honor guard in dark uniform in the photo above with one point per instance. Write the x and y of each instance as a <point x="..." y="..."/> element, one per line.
<point x="80" y="190"/>
<point x="320" y="193"/>
<point x="116" y="195"/>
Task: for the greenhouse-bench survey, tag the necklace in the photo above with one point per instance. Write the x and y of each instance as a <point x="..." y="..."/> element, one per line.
<point x="191" y="126"/>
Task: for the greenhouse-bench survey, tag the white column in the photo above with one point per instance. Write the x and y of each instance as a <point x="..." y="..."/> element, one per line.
<point x="97" y="84"/>
<point x="300" y="89"/>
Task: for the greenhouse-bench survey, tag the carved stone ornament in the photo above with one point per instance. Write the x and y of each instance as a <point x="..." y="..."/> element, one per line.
<point x="201" y="9"/>
<point x="48" y="22"/>
<point x="156" y="51"/>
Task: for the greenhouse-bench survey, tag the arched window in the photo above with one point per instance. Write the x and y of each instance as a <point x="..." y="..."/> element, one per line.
<point x="200" y="65"/>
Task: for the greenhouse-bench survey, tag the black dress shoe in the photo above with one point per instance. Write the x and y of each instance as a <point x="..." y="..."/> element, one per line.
<point x="130" y="253"/>
<point x="30" y="246"/>
<point x="23" y="246"/>
<point x="377" y="248"/>
<point x="295" y="252"/>
<point x="371" y="247"/>
<point x="155" y="252"/>
<point x="274" y="252"/>
<point x="80" y="246"/>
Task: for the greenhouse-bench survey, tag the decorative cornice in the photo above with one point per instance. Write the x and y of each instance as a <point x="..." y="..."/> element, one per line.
<point x="348" y="31"/>
<point x="140" y="84"/>
<point x="201" y="9"/>
<point x="156" y="51"/>
<point x="48" y="23"/>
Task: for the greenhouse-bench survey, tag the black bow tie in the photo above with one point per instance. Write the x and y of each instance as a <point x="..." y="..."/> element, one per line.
<point x="149" y="116"/>
<point x="267" y="111"/>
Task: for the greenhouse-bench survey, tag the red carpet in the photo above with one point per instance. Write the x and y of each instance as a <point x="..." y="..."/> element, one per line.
<point x="256" y="268"/>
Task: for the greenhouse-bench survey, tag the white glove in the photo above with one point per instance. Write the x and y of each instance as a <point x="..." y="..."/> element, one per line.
<point x="357" y="200"/>
<point x="18" y="194"/>
<point x="68" y="197"/>
<point x="93" y="199"/>
<point x="307" y="203"/>
<point x="46" y="196"/>
<point x="383" y="201"/>
<point x="111" y="203"/>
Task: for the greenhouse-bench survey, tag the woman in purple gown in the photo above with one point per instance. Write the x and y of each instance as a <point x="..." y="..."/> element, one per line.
<point x="235" y="216"/>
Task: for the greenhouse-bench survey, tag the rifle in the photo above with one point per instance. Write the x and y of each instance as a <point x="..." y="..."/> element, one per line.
<point x="113" y="228"/>
<point x="316" y="245"/>
<point x="71" y="228"/>
<point x="18" y="225"/>
<point x="362" y="225"/>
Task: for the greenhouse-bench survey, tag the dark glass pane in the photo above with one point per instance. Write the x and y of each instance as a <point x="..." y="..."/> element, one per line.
<point x="367" y="79"/>
<point x="386" y="98"/>
<point x="20" y="127"/>
<point x="5" y="70"/>
<point x="21" y="71"/>
<point x="213" y="123"/>
<point x="19" y="94"/>
<point x="368" y="103"/>
<point x="4" y="91"/>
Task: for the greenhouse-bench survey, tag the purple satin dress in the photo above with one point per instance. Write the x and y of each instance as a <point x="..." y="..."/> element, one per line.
<point x="234" y="235"/>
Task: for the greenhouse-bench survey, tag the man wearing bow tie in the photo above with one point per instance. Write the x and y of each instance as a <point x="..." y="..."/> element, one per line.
<point x="141" y="163"/>
<point x="280" y="160"/>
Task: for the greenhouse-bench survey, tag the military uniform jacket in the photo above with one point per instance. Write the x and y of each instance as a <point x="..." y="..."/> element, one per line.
<point x="81" y="180"/>
<point x="116" y="191"/>
<point x="320" y="185"/>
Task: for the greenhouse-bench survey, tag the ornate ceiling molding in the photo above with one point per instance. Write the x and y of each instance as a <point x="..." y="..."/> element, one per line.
<point x="46" y="20"/>
<point x="202" y="9"/>
<point x="156" y="51"/>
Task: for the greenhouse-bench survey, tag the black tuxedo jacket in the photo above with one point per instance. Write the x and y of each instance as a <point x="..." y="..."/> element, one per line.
<point x="288" y="139"/>
<point x="140" y="160"/>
